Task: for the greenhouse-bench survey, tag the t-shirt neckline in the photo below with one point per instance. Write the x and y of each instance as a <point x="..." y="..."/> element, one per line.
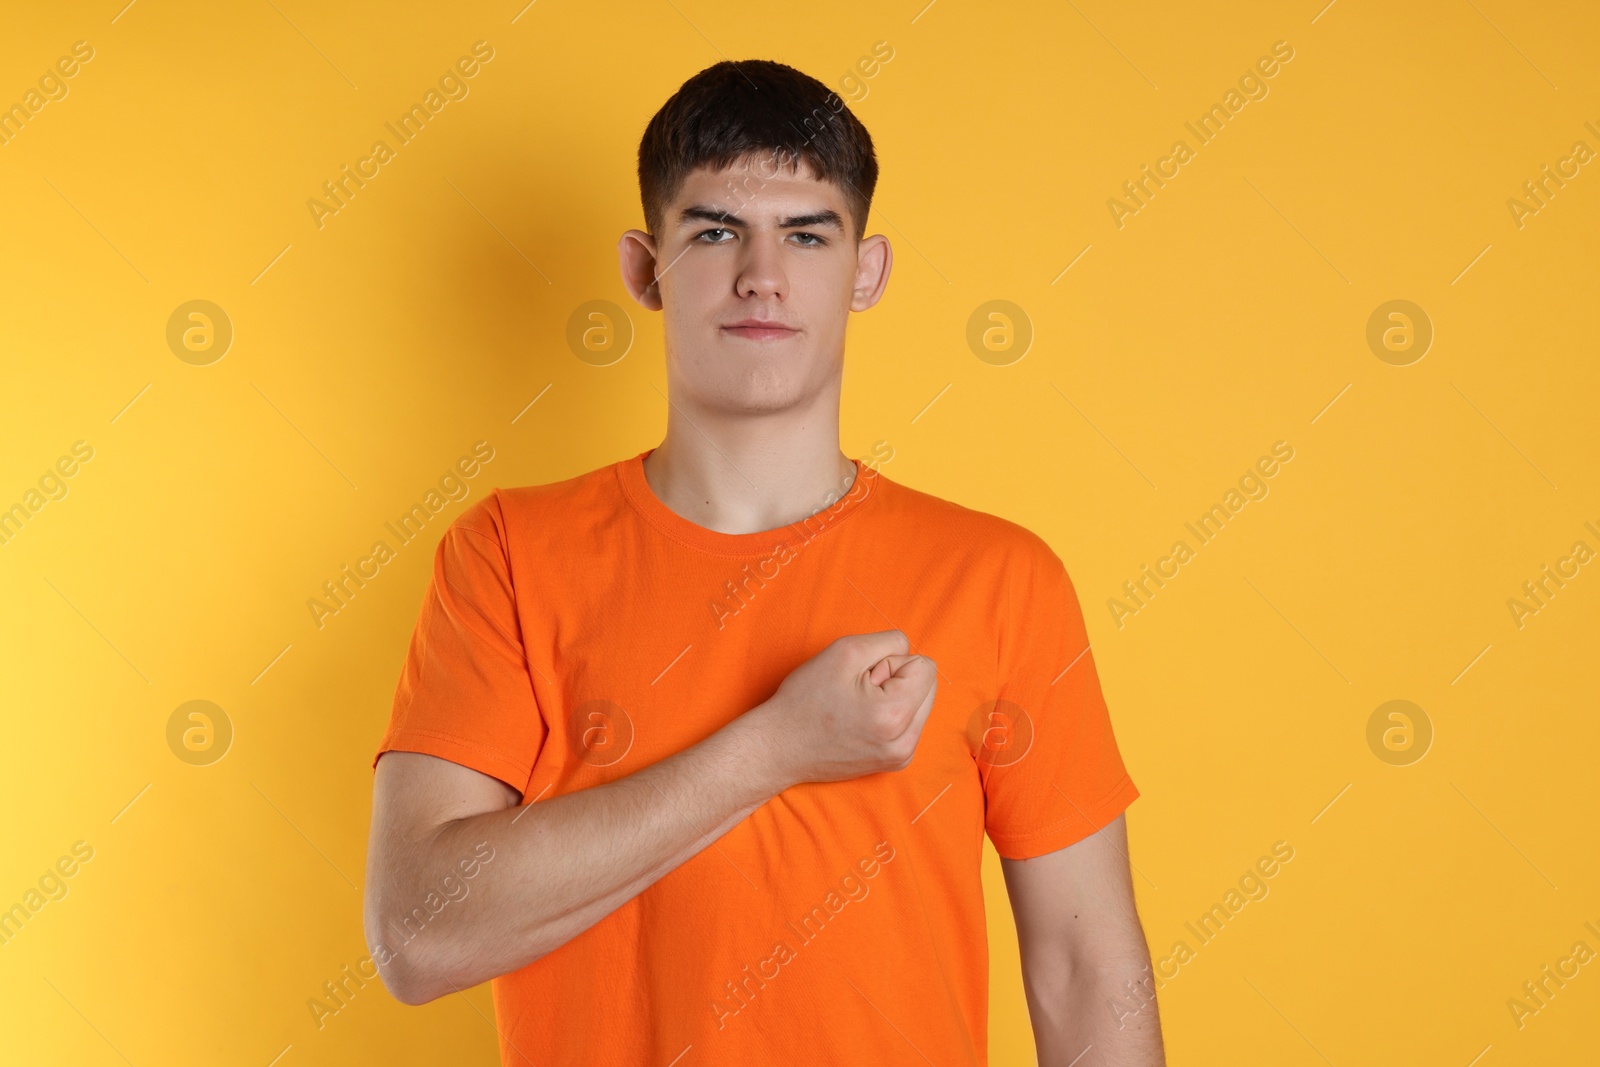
<point x="636" y="487"/>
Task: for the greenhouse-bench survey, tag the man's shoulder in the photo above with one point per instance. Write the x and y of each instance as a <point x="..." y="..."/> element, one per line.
<point x="946" y="519"/>
<point x="571" y="505"/>
<point x="949" y="526"/>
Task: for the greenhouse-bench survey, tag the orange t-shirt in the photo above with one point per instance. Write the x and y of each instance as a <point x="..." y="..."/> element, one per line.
<point x="575" y="632"/>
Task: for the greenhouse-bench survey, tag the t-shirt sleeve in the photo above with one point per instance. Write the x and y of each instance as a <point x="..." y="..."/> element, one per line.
<point x="1051" y="771"/>
<point x="466" y="692"/>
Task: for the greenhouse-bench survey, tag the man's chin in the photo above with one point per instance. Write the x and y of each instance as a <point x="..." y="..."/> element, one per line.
<point x="763" y="396"/>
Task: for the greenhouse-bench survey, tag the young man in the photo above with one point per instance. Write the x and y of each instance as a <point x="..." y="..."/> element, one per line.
<point x="693" y="755"/>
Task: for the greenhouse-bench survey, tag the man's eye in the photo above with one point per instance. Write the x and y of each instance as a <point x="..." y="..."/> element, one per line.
<point x="703" y="234"/>
<point x="810" y="240"/>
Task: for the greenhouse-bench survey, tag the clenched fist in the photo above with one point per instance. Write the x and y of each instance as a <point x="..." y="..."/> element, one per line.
<point x="855" y="708"/>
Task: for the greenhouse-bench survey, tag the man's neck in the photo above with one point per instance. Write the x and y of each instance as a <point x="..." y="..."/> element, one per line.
<point x="749" y="476"/>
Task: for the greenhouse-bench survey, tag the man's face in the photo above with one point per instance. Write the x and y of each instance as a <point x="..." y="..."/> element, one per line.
<point x="756" y="270"/>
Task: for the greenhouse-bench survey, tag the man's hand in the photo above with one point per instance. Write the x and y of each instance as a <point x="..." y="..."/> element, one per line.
<point x="855" y="708"/>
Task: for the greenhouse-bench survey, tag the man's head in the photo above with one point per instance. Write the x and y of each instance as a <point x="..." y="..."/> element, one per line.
<point x="756" y="181"/>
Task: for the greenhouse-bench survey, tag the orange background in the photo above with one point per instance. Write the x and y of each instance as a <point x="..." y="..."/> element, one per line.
<point x="1167" y="354"/>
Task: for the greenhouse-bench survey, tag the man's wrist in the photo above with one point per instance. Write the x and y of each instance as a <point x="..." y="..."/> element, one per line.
<point x="757" y="760"/>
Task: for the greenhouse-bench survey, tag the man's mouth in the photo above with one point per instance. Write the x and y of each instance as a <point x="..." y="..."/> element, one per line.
<point x="760" y="330"/>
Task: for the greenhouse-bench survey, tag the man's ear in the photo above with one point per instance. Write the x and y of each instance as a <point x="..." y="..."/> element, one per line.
<point x="636" y="253"/>
<point x="874" y="257"/>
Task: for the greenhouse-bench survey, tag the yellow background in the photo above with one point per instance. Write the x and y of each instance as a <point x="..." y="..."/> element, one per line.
<point x="1224" y="316"/>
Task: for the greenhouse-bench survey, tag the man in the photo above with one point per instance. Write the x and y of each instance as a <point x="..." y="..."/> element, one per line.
<point x="693" y="754"/>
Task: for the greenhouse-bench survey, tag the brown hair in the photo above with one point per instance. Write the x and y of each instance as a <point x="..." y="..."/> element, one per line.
<point x="733" y="111"/>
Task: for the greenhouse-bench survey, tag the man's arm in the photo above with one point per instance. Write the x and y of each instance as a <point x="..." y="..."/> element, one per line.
<point x="559" y="866"/>
<point x="1085" y="964"/>
<point x="556" y="867"/>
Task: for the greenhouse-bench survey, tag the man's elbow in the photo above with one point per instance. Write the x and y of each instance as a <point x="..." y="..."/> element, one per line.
<point x="405" y="977"/>
<point x="429" y="966"/>
<point x="407" y="969"/>
<point x="415" y="978"/>
<point x="415" y="992"/>
<point x="405" y="989"/>
<point x="1066" y="966"/>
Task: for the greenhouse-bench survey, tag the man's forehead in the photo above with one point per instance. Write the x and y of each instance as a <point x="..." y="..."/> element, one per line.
<point x="762" y="173"/>
<point x="744" y="184"/>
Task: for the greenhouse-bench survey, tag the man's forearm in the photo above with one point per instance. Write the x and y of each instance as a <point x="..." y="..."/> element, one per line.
<point x="1105" y="1007"/>
<point x="562" y="865"/>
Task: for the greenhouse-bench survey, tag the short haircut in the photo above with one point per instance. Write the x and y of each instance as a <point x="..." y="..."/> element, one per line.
<point x="755" y="108"/>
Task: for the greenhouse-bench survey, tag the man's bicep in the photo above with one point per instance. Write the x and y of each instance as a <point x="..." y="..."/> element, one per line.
<point x="1077" y="901"/>
<point x="414" y="794"/>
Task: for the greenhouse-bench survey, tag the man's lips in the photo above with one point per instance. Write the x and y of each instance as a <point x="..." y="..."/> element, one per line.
<point x="760" y="330"/>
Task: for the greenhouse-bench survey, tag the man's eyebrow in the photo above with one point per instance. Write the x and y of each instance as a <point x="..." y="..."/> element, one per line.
<point x="724" y="218"/>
